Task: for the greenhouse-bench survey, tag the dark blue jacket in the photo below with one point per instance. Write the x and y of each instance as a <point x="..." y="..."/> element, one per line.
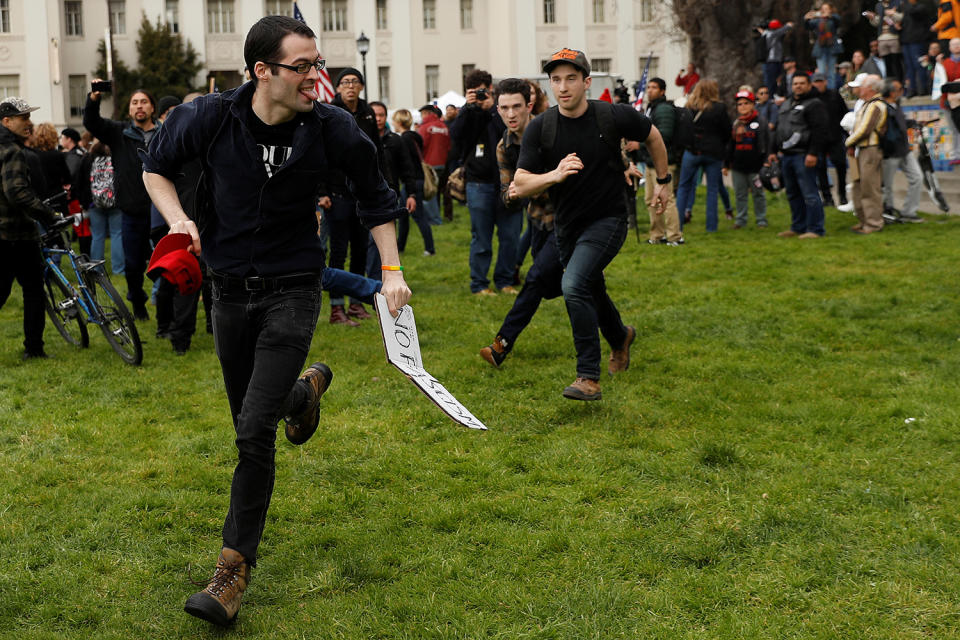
<point x="476" y="134"/>
<point x="259" y="225"/>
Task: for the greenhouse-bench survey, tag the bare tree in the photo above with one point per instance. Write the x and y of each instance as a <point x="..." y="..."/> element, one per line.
<point x="722" y="34"/>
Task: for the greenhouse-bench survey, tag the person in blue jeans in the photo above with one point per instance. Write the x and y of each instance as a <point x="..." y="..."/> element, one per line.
<point x="96" y="194"/>
<point x="572" y="150"/>
<point x="476" y="131"/>
<point x="800" y="139"/>
<point x="711" y="133"/>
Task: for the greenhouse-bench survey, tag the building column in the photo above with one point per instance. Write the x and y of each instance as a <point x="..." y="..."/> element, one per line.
<point x="577" y="30"/>
<point x="365" y="20"/>
<point x="524" y="34"/>
<point x="627" y="64"/>
<point x="39" y="84"/>
<point x="412" y="82"/>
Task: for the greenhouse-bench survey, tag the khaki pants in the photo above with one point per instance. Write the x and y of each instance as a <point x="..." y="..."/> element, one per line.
<point x="666" y="224"/>
<point x="868" y="188"/>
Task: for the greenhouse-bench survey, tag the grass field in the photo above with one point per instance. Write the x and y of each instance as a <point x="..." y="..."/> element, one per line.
<point x="780" y="461"/>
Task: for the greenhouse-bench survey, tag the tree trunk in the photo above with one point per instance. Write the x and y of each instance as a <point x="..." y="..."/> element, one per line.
<point x="722" y="35"/>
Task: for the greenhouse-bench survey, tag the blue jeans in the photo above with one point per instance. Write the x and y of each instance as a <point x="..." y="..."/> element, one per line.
<point x="100" y="221"/>
<point x="825" y="65"/>
<point x="351" y="284"/>
<point x="806" y="208"/>
<point x="420" y="217"/>
<point x="584" y="257"/>
<point x="432" y="206"/>
<point x="771" y="71"/>
<point x="487" y="212"/>
<point x="543" y="282"/>
<point x="687" y="191"/>
<point x="913" y="71"/>
<point x="262" y="339"/>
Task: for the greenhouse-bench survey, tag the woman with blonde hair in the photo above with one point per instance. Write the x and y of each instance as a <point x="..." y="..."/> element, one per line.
<point x="402" y="123"/>
<point x="711" y="132"/>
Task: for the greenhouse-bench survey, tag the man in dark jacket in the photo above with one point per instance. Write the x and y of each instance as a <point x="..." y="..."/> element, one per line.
<point x="747" y="152"/>
<point x="833" y="149"/>
<point x="664" y="223"/>
<point x="20" y="256"/>
<point x="802" y="120"/>
<point x="918" y="15"/>
<point x="126" y="140"/>
<point x="345" y="229"/>
<point x="265" y="147"/>
<point x="476" y="132"/>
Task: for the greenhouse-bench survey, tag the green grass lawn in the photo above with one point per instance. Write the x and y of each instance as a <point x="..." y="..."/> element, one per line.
<point x="780" y="461"/>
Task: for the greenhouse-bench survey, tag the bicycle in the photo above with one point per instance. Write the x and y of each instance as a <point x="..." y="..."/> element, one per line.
<point x="89" y="297"/>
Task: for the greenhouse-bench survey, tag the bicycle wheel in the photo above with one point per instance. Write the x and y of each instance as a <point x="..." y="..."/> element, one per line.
<point x="116" y="321"/>
<point x="65" y="311"/>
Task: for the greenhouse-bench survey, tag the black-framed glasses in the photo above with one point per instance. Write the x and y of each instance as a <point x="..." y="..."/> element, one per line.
<point x="304" y="67"/>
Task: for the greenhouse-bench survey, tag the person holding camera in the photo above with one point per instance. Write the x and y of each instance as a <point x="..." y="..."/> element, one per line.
<point x="126" y="140"/>
<point x="476" y="132"/>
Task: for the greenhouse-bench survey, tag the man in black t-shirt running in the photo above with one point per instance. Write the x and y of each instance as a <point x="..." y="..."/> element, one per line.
<point x="575" y="154"/>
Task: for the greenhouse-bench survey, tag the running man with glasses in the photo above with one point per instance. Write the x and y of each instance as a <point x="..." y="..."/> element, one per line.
<point x="265" y="147"/>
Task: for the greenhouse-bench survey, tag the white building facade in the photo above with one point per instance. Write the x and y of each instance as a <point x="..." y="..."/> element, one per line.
<point x="419" y="49"/>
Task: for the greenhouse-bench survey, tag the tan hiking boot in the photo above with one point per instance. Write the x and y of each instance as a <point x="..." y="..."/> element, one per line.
<point x="583" y="389"/>
<point x="219" y="601"/>
<point x="496" y="352"/>
<point x="809" y="235"/>
<point x="620" y="358"/>
<point x="300" y="427"/>
<point x="789" y="233"/>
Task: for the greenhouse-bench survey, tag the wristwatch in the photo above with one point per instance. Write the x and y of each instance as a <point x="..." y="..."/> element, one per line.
<point x="665" y="180"/>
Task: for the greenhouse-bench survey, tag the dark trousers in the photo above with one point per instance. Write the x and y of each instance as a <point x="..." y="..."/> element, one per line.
<point x="23" y="261"/>
<point x="346" y="232"/>
<point x="136" y="254"/>
<point x="543" y="282"/>
<point x="836" y="152"/>
<point x="806" y="208"/>
<point x="262" y="339"/>
<point x="585" y="256"/>
<point x="176" y="313"/>
<point x="419" y="216"/>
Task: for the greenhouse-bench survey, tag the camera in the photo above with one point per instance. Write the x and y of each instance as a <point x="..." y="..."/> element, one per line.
<point x="104" y="86"/>
<point x="481" y="94"/>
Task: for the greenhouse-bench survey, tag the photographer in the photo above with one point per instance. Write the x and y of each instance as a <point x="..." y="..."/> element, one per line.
<point x="476" y="132"/>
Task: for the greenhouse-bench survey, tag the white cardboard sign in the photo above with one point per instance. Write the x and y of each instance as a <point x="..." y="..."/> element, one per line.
<point x="403" y="351"/>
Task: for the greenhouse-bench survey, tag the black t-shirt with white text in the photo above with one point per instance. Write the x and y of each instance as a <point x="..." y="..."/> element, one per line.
<point x="274" y="142"/>
<point x="597" y="191"/>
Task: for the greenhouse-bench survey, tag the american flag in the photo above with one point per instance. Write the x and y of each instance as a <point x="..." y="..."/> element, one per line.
<point x="324" y="86"/>
<point x="642" y="86"/>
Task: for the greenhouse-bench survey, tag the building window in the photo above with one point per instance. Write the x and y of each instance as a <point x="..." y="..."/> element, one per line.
<point x="73" y="17"/>
<point x="173" y="15"/>
<point x="118" y="16"/>
<point x="382" y="23"/>
<point x="220" y="16"/>
<point x="598" y="7"/>
<point x="279" y="8"/>
<point x="600" y="65"/>
<point x="334" y="15"/>
<point x="466" y="14"/>
<point x="549" y="11"/>
<point x="429" y="14"/>
<point x="78" y="95"/>
<point x="646" y="11"/>
<point x="384" y="84"/>
<point x="9" y="86"/>
<point x="433" y="82"/>
<point x="466" y="68"/>
<point x="4" y="16"/>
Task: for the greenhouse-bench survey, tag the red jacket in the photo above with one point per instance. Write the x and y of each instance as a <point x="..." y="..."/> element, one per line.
<point x="436" y="140"/>
<point x="687" y="81"/>
<point x="953" y="73"/>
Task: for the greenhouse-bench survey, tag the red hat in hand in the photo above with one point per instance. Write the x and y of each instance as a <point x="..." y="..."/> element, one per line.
<point x="171" y="260"/>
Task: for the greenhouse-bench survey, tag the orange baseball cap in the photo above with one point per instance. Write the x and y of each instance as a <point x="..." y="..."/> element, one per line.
<point x="568" y="56"/>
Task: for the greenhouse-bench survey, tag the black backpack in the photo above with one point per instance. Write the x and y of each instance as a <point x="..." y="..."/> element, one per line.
<point x="682" y="131"/>
<point x="893" y="141"/>
<point x="608" y="130"/>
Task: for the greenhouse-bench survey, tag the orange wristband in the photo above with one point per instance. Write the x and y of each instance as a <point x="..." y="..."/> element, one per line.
<point x="388" y="267"/>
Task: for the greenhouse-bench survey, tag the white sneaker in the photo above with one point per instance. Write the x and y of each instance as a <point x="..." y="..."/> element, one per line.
<point x="846" y="208"/>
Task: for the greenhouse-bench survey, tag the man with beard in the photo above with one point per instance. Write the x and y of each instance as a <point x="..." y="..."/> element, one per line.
<point x="264" y="147"/>
<point x="126" y="140"/>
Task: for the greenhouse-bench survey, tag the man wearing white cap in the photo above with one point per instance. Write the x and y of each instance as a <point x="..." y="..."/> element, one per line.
<point x="20" y="206"/>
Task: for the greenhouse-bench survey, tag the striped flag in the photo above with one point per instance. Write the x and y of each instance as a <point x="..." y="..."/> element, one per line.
<point x="325" y="91"/>
<point x="642" y="87"/>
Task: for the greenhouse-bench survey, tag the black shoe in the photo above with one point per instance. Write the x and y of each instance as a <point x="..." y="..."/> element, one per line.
<point x="163" y="335"/>
<point x="31" y="355"/>
<point x="140" y="311"/>
<point x="829" y="203"/>
<point x="301" y="426"/>
<point x="181" y="349"/>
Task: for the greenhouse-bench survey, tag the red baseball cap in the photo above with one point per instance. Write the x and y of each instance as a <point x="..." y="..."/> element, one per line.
<point x="746" y="95"/>
<point x="775" y="24"/>
<point x="171" y="260"/>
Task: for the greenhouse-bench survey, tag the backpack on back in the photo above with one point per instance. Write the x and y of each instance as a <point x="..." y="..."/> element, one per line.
<point x="682" y="132"/>
<point x="608" y="130"/>
<point x="101" y="183"/>
<point x="893" y="140"/>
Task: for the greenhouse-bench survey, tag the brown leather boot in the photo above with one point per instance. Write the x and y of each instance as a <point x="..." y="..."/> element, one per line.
<point x="620" y="358"/>
<point x="356" y="310"/>
<point x="583" y="389"/>
<point x="219" y="601"/>
<point x="339" y="316"/>
<point x="496" y="352"/>
<point x="300" y="427"/>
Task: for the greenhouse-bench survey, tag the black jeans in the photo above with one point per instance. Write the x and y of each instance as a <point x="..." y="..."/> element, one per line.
<point x="21" y="259"/>
<point x="136" y="254"/>
<point x="543" y="282"/>
<point x="836" y="152"/>
<point x="346" y="231"/>
<point x="585" y="255"/>
<point x="262" y="339"/>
